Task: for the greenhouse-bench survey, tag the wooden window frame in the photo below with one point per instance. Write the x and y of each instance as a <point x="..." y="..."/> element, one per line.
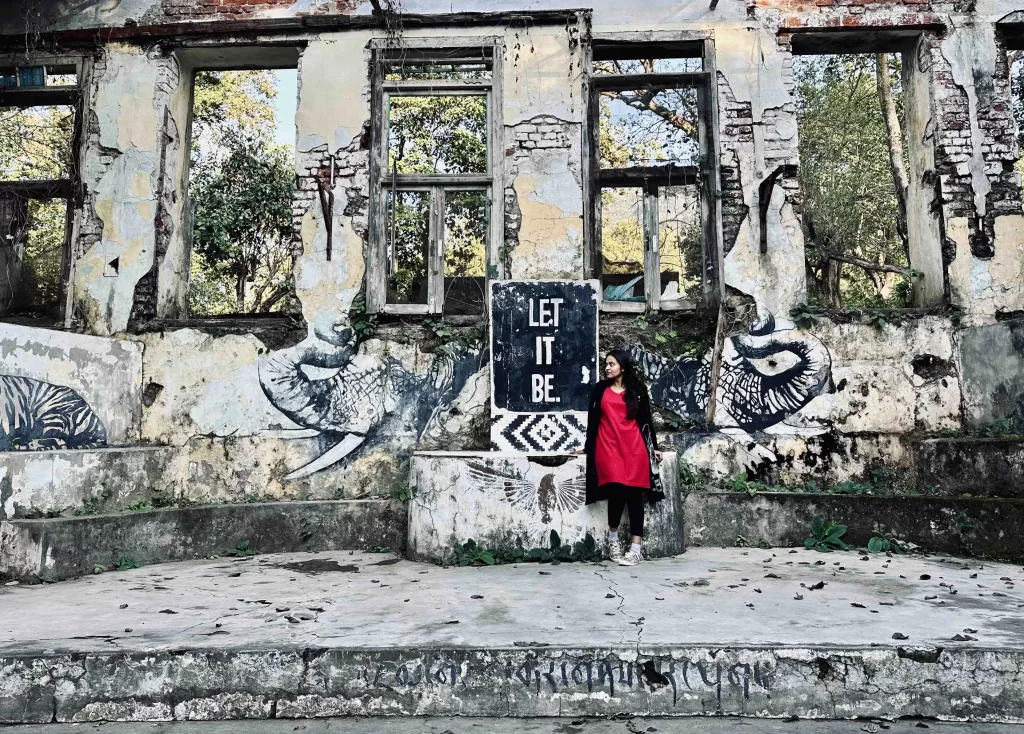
<point x="67" y="189"/>
<point x="464" y="50"/>
<point x="652" y="178"/>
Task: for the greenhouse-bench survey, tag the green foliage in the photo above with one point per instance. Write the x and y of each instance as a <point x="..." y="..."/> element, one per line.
<point x="886" y="542"/>
<point x="470" y="554"/>
<point x="803" y="315"/>
<point x="826" y="535"/>
<point x="555" y="552"/>
<point x="586" y="550"/>
<point x="364" y="325"/>
<point x="125" y="562"/>
<point x="140" y="506"/>
<point x="98" y="569"/>
<point x="999" y="428"/>
<point x="378" y="549"/>
<point x="849" y="192"/>
<point x="242" y="258"/>
<point x="582" y="551"/>
<point x="403" y="493"/>
<point x="234" y="101"/>
<point x="242" y="549"/>
<point x="35" y="144"/>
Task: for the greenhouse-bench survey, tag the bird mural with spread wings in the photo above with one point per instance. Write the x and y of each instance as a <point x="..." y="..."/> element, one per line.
<point x="539" y="502"/>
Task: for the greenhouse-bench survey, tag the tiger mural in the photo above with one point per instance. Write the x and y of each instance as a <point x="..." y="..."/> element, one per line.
<point x="38" y="416"/>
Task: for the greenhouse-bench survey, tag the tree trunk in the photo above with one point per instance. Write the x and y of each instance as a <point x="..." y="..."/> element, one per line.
<point x="894" y="134"/>
<point x="240" y="291"/>
<point x="831" y="277"/>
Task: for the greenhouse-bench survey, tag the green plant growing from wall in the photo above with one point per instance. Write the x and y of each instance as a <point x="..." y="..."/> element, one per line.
<point x="125" y="562"/>
<point x="242" y="549"/>
<point x="470" y="554"/>
<point x="883" y="541"/>
<point x="826" y="536"/>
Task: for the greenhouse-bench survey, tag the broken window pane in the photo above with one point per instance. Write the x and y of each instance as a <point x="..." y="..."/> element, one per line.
<point x="31" y="254"/>
<point x="407" y="236"/>
<point x="622" y="244"/>
<point x="35" y="143"/>
<point x="852" y="206"/>
<point x="649" y="66"/>
<point x="437" y="134"/>
<point x="649" y="127"/>
<point x="465" y="251"/>
<point x="438" y="70"/>
<point x="680" y="243"/>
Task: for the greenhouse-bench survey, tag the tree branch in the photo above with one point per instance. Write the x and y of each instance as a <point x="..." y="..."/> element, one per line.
<point x="865" y="264"/>
<point x="648" y="104"/>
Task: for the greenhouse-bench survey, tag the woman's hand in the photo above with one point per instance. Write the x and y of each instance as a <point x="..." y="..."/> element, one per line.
<point x="659" y="456"/>
<point x="581" y="453"/>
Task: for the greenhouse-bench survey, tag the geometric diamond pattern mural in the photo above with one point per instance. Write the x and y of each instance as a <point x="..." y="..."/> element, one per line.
<point x="541" y="432"/>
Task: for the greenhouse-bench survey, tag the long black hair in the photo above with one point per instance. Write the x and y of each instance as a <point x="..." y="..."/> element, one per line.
<point x="636" y="390"/>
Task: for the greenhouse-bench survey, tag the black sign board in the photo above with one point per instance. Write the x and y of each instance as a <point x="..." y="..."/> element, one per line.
<point x="543" y="345"/>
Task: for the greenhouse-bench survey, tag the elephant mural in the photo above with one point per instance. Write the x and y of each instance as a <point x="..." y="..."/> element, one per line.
<point x="767" y="376"/>
<point x="36" y="415"/>
<point x="324" y="384"/>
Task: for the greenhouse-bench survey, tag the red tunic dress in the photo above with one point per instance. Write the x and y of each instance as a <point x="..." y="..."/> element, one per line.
<point x="621" y="454"/>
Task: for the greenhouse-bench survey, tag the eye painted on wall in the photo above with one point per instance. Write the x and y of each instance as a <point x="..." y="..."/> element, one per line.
<point x="775" y="364"/>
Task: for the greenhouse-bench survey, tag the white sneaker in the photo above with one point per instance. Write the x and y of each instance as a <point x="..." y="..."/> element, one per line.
<point x="630" y="559"/>
<point x="615" y="552"/>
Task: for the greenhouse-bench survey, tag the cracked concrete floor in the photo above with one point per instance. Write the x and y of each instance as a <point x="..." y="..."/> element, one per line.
<point x="464" y="725"/>
<point x="707" y="596"/>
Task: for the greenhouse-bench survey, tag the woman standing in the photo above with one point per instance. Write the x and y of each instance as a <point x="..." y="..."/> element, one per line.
<point x="621" y="452"/>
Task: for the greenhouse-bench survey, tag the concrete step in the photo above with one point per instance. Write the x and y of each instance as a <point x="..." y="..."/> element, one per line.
<point x="977" y="526"/>
<point x="982" y="467"/>
<point x="55" y="549"/>
<point x="539" y="725"/>
<point x="714" y="632"/>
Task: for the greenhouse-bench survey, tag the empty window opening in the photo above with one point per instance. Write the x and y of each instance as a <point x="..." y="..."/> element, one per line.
<point x="854" y="162"/>
<point x="36" y="172"/>
<point x="241" y="188"/>
<point x="433" y="178"/>
<point x="649" y="137"/>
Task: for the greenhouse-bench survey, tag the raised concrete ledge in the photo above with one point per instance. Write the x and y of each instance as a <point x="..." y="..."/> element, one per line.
<point x="504" y="500"/>
<point x="778" y="681"/>
<point x="986" y="526"/>
<point x="61" y="548"/>
<point x="733" y="631"/>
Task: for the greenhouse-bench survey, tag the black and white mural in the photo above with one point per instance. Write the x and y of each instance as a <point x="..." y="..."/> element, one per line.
<point x="537" y="502"/>
<point x="39" y="416"/>
<point x="544" y="342"/>
<point x="350" y="398"/>
<point x="767" y="376"/>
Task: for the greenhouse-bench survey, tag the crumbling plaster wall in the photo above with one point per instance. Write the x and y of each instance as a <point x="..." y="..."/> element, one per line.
<point x="210" y="403"/>
<point x="125" y="117"/>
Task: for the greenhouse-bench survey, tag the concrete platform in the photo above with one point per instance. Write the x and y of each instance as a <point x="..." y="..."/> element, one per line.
<point x="716" y="631"/>
<point x="539" y="725"/>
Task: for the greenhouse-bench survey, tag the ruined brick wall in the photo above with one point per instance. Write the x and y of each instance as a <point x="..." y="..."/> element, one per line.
<point x="538" y="133"/>
<point x="735" y="151"/>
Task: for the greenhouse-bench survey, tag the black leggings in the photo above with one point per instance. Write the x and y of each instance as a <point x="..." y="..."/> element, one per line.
<point x="621" y="496"/>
